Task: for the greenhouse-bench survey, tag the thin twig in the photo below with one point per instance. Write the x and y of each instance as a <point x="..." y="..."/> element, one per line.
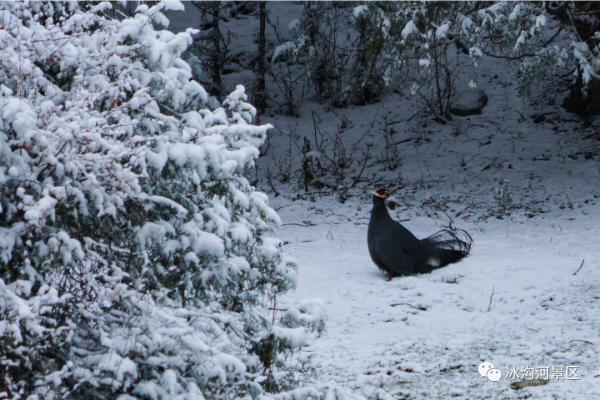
<point x="362" y="169"/>
<point x="420" y="308"/>
<point x="491" y="299"/>
<point x="580" y="266"/>
<point x="298" y="224"/>
<point x="278" y="309"/>
<point x="270" y="182"/>
<point x="581" y="340"/>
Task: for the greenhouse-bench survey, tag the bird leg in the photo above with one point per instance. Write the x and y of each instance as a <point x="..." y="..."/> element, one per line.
<point x="390" y="275"/>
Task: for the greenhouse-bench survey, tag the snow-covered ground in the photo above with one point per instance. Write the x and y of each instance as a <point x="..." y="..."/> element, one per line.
<point x="514" y="302"/>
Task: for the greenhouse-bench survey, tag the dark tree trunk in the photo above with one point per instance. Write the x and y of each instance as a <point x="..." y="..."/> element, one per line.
<point x="260" y="95"/>
<point x="216" y="38"/>
<point x="211" y="46"/>
<point x="584" y="100"/>
<point x="583" y="19"/>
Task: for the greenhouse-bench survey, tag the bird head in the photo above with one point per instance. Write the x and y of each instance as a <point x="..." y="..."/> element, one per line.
<point x="382" y="193"/>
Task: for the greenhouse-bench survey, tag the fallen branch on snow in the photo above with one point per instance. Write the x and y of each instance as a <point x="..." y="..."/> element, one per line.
<point x="580" y="266"/>
<point x="419" y="307"/>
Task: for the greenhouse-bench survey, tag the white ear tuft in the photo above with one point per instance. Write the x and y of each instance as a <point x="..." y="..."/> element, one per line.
<point x="433" y="262"/>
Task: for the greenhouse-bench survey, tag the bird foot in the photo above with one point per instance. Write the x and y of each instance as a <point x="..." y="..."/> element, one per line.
<point x="389" y="276"/>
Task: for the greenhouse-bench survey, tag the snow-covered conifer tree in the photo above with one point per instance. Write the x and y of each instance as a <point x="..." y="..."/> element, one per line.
<point x="135" y="257"/>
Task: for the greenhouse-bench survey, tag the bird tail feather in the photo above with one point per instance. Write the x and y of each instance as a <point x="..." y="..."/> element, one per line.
<point x="448" y="246"/>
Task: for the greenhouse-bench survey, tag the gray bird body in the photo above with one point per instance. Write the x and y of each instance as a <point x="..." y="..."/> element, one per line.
<point x="395" y="250"/>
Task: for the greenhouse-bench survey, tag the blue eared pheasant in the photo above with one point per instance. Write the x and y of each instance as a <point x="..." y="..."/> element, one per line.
<point x="395" y="250"/>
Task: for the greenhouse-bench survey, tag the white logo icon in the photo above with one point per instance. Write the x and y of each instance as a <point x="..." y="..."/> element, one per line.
<point x="494" y="375"/>
<point x="484" y="367"/>
<point x="486" y="370"/>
